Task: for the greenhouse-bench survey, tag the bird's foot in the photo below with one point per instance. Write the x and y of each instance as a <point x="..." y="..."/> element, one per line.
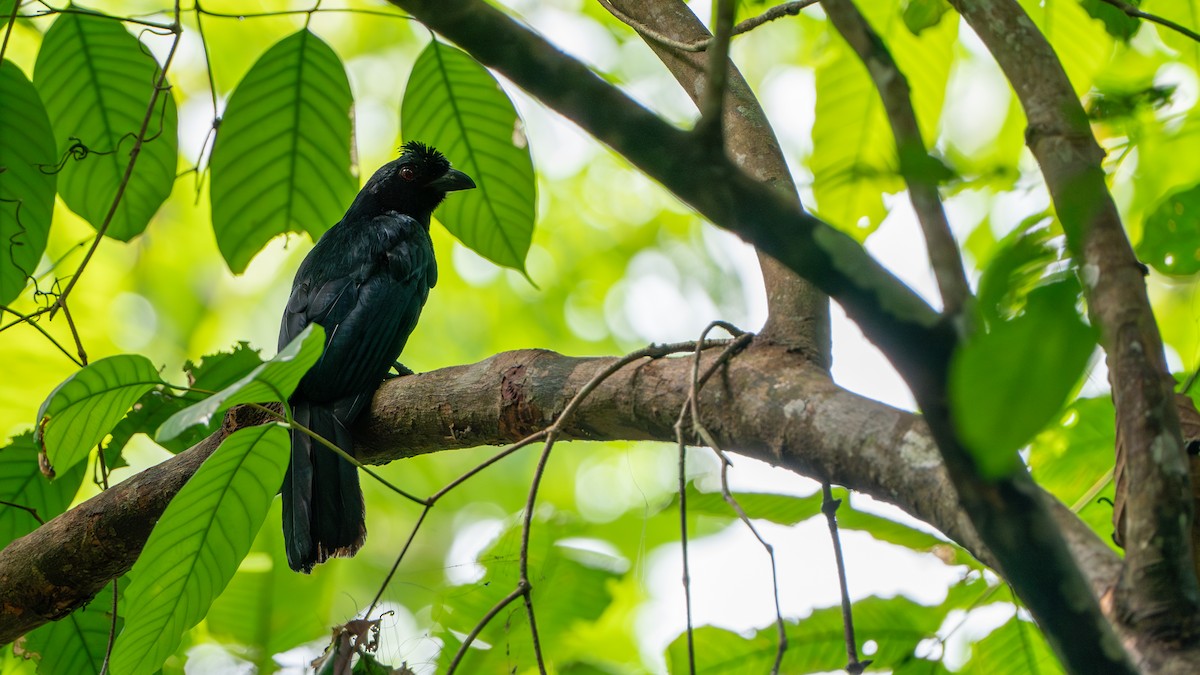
<point x="401" y="371"/>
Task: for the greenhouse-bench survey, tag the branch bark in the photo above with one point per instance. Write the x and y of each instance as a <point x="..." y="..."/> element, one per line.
<point x="1009" y="513"/>
<point x="1158" y="590"/>
<point x="768" y="402"/>
<point x="798" y="312"/>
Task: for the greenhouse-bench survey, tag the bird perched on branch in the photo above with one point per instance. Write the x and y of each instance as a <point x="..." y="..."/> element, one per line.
<point x="365" y="282"/>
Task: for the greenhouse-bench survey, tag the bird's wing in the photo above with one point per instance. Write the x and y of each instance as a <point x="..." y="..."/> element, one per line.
<point x="367" y="309"/>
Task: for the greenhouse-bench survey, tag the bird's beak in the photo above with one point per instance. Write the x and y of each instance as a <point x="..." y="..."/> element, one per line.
<point x="452" y="180"/>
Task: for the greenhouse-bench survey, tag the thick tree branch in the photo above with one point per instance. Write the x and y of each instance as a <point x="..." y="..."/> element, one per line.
<point x="1159" y="590"/>
<point x="1009" y="513"/>
<point x="919" y="169"/>
<point x="768" y="403"/>
<point x="798" y="312"/>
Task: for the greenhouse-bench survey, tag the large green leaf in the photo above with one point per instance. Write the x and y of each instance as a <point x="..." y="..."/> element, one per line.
<point x="97" y="80"/>
<point x="454" y="104"/>
<point x="1184" y="13"/>
<point x="282" y="158"/>
<point x="82" y="410"/>
<point x="257" y="611"/>
<point x="6" y="8"/>
<point x="76" y="644"/>
<point x="26" y="192"/>
<point x="213" y="373"/>
<point x="198" y="544"/>
<point x="22" y="482"/>
<point x="1171" y="236"/>
<point x="854" y="154"/>
<point x="1008" y="383"/>
<point x="274" y="380"/>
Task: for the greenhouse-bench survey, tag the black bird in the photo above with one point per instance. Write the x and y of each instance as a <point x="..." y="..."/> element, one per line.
<point x="365" y="282"/>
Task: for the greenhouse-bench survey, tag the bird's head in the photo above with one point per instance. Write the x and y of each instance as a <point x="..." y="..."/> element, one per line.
<point x="414" y="184"/>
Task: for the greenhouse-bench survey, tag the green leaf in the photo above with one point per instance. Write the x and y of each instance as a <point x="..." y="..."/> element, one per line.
<point x="1183" y="12"/>
<point x="1016" y="648"/>
<point x="97" y="80"/>
<point x="6" y="8"/>
<point x="921" y="14"/>
<point x="816" y="644"/>
<point x="198" y="544"/>
<point x="1082" y="44"/>
<point x="82" y="410"/>
<point x="1020" y="263"/>
<point x="26" y="192"/>
<point x="257" y="611"/>
<point x="454" y="104"/>
<point x="77" y="643"/>
<point x="1171" y="238"/>
<point x="1118" y="24"/>
<point x="854" y="157"/>
<point x="274" y="380"/>
<point x="282" y="159"/>
<point x="213" y="373"/>
<point x="22" y="482"/>
<point x="1008" y="383"/>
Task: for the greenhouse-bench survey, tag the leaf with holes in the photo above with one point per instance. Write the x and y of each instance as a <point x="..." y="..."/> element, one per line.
<point x="82" y="410"/>
<point x="282" y="158"/>
<point x="454" y="104"/>
<point x="22" y="482"/>
<point x="26" y="192"/>
<point x="97" y="81"/>
<point x="197" y="545"/>
<point x="274" y="380"/>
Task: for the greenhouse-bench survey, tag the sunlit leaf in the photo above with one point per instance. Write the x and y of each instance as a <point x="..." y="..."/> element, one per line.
<point x="256" y="610"/>
<point x="282" y="158"/>
<point x="1171" y="238"/>
<point x="274" y="380"/>
<point x="1184" y="13"/>
<point x="1008" y="383"/>
<point x="86" y="407"/>
<point x="97" y="81"/>
<point x="213" y="373"/>
<point x="816" y="644"/>
<point x="1082" y="44"/>
<point x="1021" y="262"/>
<point x="1015" y="648"/>
<point x="198" y="544"/>
<point x="854" y="154"/>
<point x="454" y="104"/>
<point x="26" y="192"/>
<point x="77" y="643"/>
<point x="22" y="482"/>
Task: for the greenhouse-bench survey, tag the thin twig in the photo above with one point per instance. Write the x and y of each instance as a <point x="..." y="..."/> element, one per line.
<point x="392" y="572"/>
<point x="29" y="319"/>
<point x="776" y="12"/>
<point x="83" y="357"/>
<point x="487" y="618"/>
<point x="51" y="11"/>
<point x="27" y="509"/>
<point x="102" y="465"/>
<point x="1136" y="13"/>
<point x="700" y="431"/>
<point x="159" y="87"/>
<point x="310" y="12"/>
<point x="12" y="19"/>
<point x="917" y="167"/>
<point x="829" y="507"/>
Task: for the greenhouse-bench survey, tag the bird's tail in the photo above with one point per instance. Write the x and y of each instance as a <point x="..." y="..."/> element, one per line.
<point x="322" y="501"/>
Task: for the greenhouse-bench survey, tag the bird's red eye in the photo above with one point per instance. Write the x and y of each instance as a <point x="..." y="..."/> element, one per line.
<point x="408" y="173"/>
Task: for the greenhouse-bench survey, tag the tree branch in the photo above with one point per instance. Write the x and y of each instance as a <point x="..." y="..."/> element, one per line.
<point x="919" y="169"/>
<point x="1010" y="513"/>
<point x="798" y="312"/>
<point x="1158" y="590"/>
<point x="1136" y="13"/>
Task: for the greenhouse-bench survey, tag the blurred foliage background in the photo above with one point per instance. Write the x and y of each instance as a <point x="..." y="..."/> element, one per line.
<point x="618" y="263"/>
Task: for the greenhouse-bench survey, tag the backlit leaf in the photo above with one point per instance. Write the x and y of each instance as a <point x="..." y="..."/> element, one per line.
<point x="77" y="643"/>
<point x="454" y="104"/>
<point x="1171" y="238"/>
<point x="274" y="380"/>
<point x="86" y="407"/>
<point x="97" y="81"/>
<point x="282" y="158"/>
<point x="1008" y="383"/>
<point x="26" y="192"/>
<point x="198" y="544"/>
<point x="22" y="482"/>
